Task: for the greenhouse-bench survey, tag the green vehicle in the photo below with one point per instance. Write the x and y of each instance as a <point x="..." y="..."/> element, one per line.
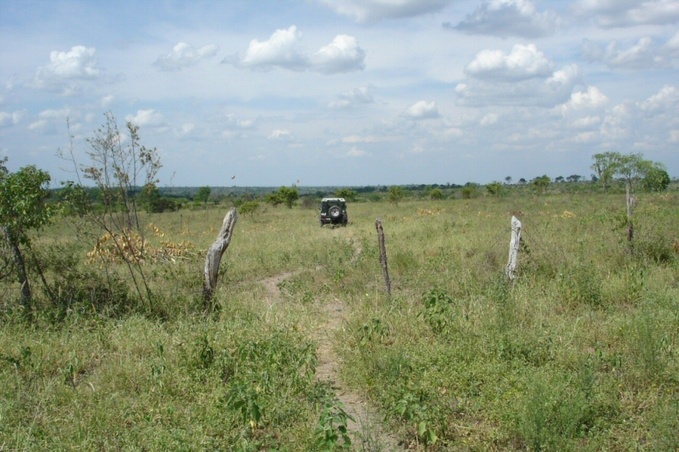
<point x="334" y="211"/>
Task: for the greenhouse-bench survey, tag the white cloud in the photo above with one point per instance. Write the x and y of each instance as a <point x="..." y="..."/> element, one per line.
<point x="508" y="18"/>
<point x="641" y="55"/>
<point x="356" y="96"/>
<point x="282" y="50"/>
<point x="355" y="152"/>
<point x="106" y="101"/>
<point x="523" y="62"/>
<point x="489" y="119"/>
<point x="422" y="110"/>
<point x="591" y="98"/>
<point x="624" y="13"/>
<point x="374" y="10"/>
<point x="185" y="55"/>
<point x="10" y="119"/>
<point x="144" y="118"/>
<point x="666" y="100"/>
<point x="542" y="92"/>
<point x="66" y="70"/>
<point x="342" y="55"/>
<point x="281" y="135"/>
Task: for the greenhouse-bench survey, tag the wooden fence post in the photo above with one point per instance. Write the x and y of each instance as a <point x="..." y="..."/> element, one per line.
<point x="514" y="244"/>
<point x="214" y="254"/>
<point x="383" y="255"/>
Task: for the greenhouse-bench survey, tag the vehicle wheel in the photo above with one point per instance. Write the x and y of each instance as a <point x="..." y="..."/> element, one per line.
<point x="335" y="212"/>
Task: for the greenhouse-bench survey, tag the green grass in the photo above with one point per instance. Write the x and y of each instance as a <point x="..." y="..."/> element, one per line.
<point x="580" y="353"/>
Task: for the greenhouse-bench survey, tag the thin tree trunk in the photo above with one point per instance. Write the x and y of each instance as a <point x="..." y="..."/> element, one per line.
<point x="214" y="254"/>
<point x="383" y="256"/>
<point x="21" y="270"/>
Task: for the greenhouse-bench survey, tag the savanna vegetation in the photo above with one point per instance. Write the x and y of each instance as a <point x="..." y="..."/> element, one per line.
<point x="114" y="347"/>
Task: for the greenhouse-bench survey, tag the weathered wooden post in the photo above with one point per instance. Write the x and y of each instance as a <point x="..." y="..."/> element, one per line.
<point x="214" y="254"/>
<point x="514" y="244"/>
<point x="383" y="255"/>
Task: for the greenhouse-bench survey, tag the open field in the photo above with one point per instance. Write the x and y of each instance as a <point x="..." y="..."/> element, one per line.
<point x="580" y="353"/>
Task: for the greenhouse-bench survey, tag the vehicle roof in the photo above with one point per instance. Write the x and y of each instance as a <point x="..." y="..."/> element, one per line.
<point x="332" y="199"/>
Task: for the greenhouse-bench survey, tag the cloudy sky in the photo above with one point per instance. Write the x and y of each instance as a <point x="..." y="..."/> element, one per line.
<point x="344" y="92"/>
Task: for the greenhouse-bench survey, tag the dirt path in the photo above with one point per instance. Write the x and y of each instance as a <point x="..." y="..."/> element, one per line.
<point x="366" y="429"/>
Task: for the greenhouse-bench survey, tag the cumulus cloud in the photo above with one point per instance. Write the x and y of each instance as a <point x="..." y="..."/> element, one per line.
<point x="508" y="18"/>
<point x="67" y="70"/>
<point x="355" y="152"/>
<point x="523" y="62"/>
<point x="625" y="13"/>
<point x="589" y="99"/>
<point x="282" y="50"/>
<point x="374" y="10"/>
<point x="147" y="118"/>
<point x="666" y="100"/>
<point x="342" y="55"/>
<point x="422" y="110"/>
<point x="356" y="96"/>
<point x="185" y="55"/>
<point x="644" y="54"/>
<point x="541" y="92"/>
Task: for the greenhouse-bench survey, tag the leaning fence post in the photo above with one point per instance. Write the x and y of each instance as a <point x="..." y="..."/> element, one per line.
<point x="514" y="244"/>
<point x="214" y="254"/>
<point x="383" y="255"/>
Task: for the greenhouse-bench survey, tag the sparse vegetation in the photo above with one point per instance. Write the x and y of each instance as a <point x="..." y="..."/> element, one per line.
<point x="578" y="353"/>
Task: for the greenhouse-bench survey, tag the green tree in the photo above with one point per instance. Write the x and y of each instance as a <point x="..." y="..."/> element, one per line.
<point x="288" y="195"/>
<point x="203" y="194"/>
<point x="396" y="194"/>
<point x="22" y="208"/>
<point x="541" y="183"/>
<point x="495" y="189"/>
<point x="346" y="193"/>
<point x="656" y="179"/>
<point x="471" y="190"/>
<point x="436" y="194"/>
<point x="605" y="167"/>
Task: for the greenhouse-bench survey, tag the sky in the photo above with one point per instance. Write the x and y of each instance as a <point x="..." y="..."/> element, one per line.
<point x="343" y="92"/>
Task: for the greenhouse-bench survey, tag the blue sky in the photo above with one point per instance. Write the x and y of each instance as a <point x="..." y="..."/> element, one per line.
<point x="344" y="92"/>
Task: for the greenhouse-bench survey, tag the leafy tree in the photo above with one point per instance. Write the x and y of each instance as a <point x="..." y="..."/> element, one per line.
<point x="523" y="181"/>
<point x="495" y="188"/>
<point x="508" y="180"/>
<point x="274" y="199"/>
<point x="559" y="179"/>
<point x="541" y="183"/>
<point x="436" y="194"/>
<point x="470" y="190"/>
<point x="656" y="179"/>
<point x="22" y="208"/>
<point x="605" y="167"/>
<point x="396" y="194"/>
<point x="288" y="195"/>
<point x="573" y="178"/>
<point x="346" y="193"/>
<point x="203" y="194"/>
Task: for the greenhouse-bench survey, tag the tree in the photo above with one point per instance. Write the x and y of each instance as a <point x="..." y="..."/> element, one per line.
<point x="508" y="180"/>
<point x="541" y="183"/>
<point x="657" y="179"/>
<point x="604" y="166"/>
<point x="559" y="179"/>
<point x="494" y="188"/>
<point x="436" y="194"/>
<point x="346" y="193"/>
<point x="396" y="194"/>
<point x="288" y="195"/>
<point x="470" y="190"/>
<point x="22" y="208"/>
<point x="573" y="178"/>
<point x="203" y="194"/>
<point x="118" y="165"/>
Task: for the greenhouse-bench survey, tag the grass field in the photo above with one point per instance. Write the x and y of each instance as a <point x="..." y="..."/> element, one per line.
<point x="579" y="353"/>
